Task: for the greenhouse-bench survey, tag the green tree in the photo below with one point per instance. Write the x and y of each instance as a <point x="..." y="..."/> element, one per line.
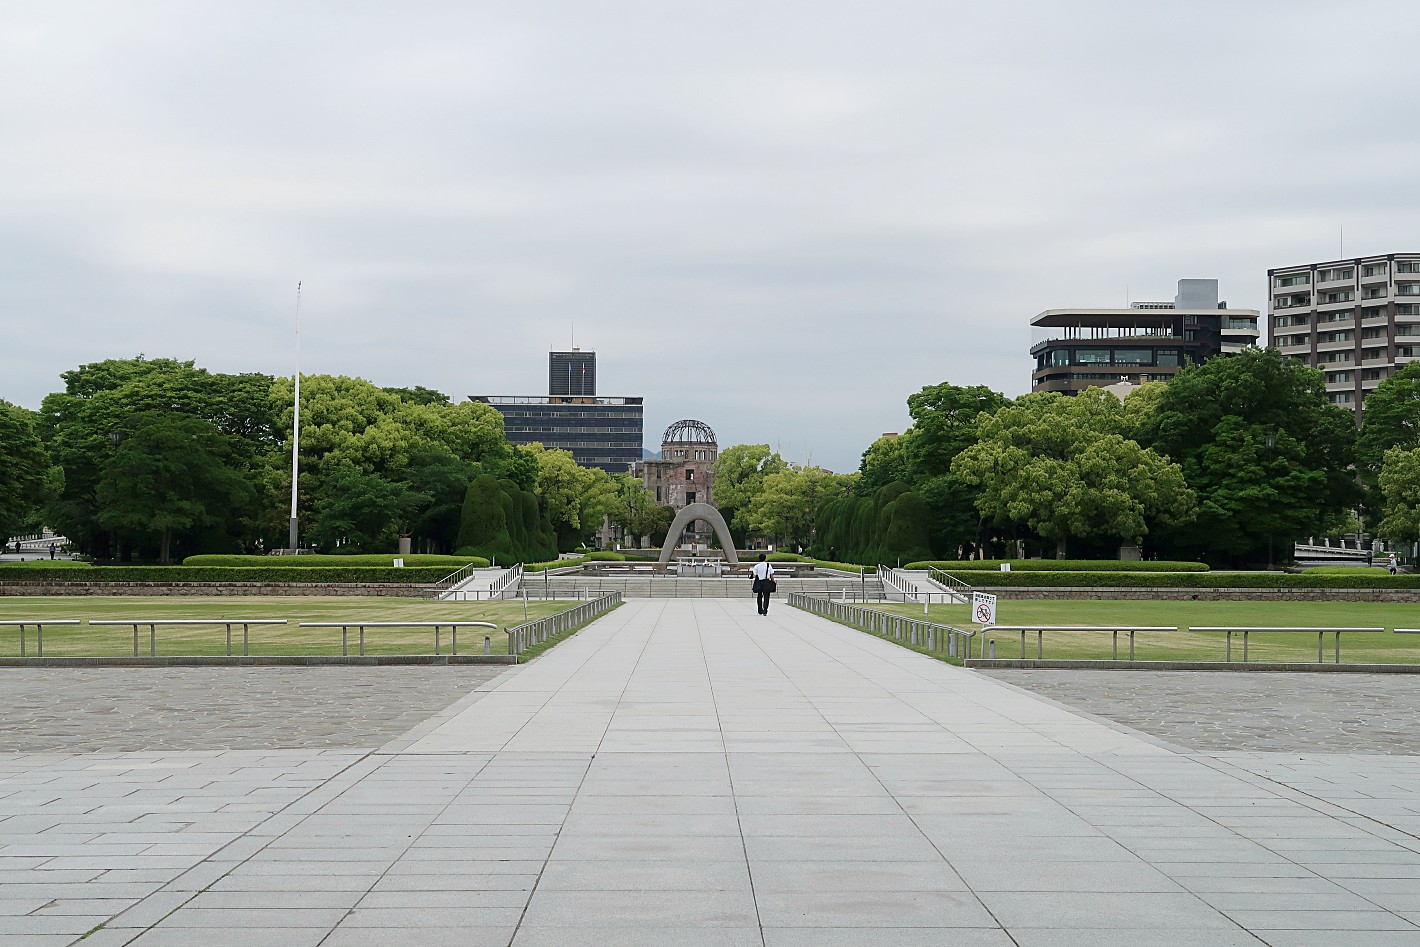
<point x="170" y="474"/>
<point x="80" y="427"/>
<point x="1058" y="466"/>
<point x="739" y="477"/>
<point x="573" y="498"/>
<point x="360" y="511"/>
<point x="634" y="509"/>
<point x="1399" y="482"/>
<point x="23" y="469"/>
<point x="945" y="418"/>
<point x="502" y="522"/>
<point x="1392" y="419"/>
<point x="1237" y="402"/>
<point x="787" y="507"/>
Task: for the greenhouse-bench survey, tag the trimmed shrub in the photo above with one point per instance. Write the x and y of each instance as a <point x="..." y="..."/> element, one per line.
<point x="46" y="564"/>
<point x="1057" y="565"/>
<point x="321" y="575"/>
<point x="453" y="563"/>
<point x="1187" y="580"/>
<point x="607" y="556"/>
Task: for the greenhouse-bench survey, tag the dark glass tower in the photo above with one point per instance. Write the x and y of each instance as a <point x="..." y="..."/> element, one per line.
<point x="572" y="374"/>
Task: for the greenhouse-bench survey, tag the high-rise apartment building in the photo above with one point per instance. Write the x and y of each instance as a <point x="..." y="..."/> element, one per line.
<point x="1357" y="320"/>
<point x="572" y="374"/>
<point x="1077" y="349"/>
<point x="599" y="431"/>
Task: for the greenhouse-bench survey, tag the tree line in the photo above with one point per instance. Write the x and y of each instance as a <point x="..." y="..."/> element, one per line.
<point x="1232" y="456"/>
<point x="156" y="459"/>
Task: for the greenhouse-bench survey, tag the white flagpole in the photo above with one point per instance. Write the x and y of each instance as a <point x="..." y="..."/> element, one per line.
<point x="296" y="424"/>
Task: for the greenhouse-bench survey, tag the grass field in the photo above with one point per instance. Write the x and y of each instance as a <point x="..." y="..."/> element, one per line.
<point x="99" y="641"/>
<point x="1381" y="648"/>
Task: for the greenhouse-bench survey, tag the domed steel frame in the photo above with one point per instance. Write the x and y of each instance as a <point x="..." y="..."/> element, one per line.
<point x="688" y="431"/>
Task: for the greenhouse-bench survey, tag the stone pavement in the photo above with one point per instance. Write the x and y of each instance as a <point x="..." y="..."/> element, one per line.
<point x="686" y="772"/>
<point x="1228" y="710"/>
<point x="223" y="708"/>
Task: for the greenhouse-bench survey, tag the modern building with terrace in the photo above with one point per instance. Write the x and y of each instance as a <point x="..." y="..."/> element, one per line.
<point x="1075" y="349"/>
<point x="1357" y="320"/>
<point x="599" y="431"/>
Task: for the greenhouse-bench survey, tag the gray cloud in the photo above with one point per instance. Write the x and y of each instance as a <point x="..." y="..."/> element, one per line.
<point x="841" y="202"/>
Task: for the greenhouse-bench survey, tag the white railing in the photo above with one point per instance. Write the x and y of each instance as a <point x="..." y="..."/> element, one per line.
<point x="438" y="626"/>
<point x="528" y="634"/>
<point x="915" y="632"/>
<point x="153" y="624"/>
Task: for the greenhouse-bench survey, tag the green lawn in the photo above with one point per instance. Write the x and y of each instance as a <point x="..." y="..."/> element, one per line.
<point x="1382" y="648"/>
<point x="97" y="641"/>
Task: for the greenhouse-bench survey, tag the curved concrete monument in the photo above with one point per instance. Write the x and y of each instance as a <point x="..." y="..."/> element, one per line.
<point x="689" y="514"/>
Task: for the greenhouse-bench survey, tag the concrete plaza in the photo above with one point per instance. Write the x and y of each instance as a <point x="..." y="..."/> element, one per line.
<point x="689" y="773"/>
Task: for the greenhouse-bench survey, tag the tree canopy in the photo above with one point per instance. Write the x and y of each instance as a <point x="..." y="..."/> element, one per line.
<point x="1059" y="466"/>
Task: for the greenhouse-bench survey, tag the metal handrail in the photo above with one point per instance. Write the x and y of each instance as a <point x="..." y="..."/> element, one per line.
<point x="1230" y="630"/>
<point x="1041" y="629"/>
<point x="506" y="579"/>
<point x="154" y="624"/>
<point x="39" y="631"/>
<point x="951" y="582"/>
<point x="454" y="578"/>
<point x="436" y="625"/>
<point x="916" y="632"/>
<point x="521" y="637"/>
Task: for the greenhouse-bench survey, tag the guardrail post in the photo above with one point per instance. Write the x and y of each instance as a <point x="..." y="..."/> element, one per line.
<point x="229" y="639"/>
<point x="362" y="641"/>
<point x="22" y="641"/>
<point x="487" y="644"/>
<point x="993" y="649"/>
<point x="344" y="641"/>
<point x="246" y="637"/>
<point x="436" y="640"/>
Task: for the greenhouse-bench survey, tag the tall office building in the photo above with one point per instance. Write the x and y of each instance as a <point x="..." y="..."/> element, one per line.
<point x="1077" y="349"/>
<point x="572" y="374"/>
<point x="1357" y="320"/>
<point x="599" y="431"/>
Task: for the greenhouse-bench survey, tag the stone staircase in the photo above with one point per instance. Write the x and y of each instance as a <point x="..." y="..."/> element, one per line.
<point x="669" y="586"/>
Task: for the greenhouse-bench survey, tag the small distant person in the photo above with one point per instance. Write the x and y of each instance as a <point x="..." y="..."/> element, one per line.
<point x="764" y="583"/>
<point x="832" y="553"/>
<point x="53" y="551"/>
<point x="1392" y="565"/>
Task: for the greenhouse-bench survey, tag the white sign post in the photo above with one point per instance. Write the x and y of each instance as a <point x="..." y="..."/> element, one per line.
<point x="983" y="608"/>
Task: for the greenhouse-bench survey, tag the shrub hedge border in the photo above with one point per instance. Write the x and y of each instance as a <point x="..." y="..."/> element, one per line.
<point x="313" y="575"/>
<point x="1187" y="580"/>
<point x="412" y="561"/>
<point x="1058" y="565"/>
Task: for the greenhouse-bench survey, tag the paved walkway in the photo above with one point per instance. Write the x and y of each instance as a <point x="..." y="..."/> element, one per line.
<point x="688" y="773"/>
<point x="1228" y="710"/>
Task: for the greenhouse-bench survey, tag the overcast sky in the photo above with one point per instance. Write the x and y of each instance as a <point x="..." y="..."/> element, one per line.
<point x="779" y="218"/>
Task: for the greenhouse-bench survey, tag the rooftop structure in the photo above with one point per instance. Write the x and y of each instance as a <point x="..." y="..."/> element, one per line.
<point x="1077" y="349"/>
<point x="603" y="432"/>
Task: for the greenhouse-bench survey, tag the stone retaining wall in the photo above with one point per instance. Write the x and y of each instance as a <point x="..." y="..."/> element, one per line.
<point x="1017" y="593"/>
<point x="210" y="588"/>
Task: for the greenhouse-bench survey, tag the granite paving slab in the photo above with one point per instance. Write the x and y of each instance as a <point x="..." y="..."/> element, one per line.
<point x="686" y="772"/>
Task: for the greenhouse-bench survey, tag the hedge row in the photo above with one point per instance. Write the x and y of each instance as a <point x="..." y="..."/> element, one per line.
<point x="70" y="564"/>
<point x="1058" y="565"/>
<point x="267" y="574"/>
<point x="451" y="563"/>
<point x="1194" y="580"/>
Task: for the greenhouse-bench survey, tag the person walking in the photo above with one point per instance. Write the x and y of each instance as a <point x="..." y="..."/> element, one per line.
<point x="1392" y="565"/>
<point x="764" y="583"/>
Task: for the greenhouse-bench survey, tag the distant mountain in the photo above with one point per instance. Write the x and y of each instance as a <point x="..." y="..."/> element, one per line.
<point x="649" y="454"/>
